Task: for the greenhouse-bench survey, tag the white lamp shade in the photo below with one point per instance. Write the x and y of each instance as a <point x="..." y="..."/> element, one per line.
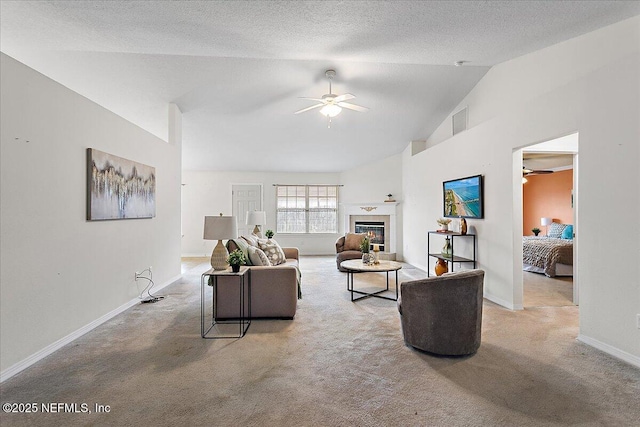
<point x="546" y="221"/>
<point x="220" y="227"/>
<point x="256" y="218"/>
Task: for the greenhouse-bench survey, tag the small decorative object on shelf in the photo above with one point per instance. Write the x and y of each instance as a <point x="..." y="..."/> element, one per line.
<point x="463" y="226"/>
<point x="236" y="259"/>
<point x="441" y="267"/>
<point x="535" y="231"/>
<point x="389" y="199"/>
<point x="269" y="234"/>
<point x="450" y="256"/>
<point x="446" y="249"/>
<point x="444" y="224"/>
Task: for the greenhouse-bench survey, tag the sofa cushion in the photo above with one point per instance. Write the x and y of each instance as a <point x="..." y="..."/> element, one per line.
<point x="273" y="251"/>
<point x="258" y="257"/>
<point x="352" y="241"/>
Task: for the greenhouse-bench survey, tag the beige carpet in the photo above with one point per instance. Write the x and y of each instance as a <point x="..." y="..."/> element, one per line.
<point x="543" y="291"/>
<point x="337" y="363"/>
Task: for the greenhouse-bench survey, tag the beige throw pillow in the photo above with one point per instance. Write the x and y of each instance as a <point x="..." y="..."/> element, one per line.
<point x="273" y="251"/>
<point x="258" y="257"/>
<point x="352" y="241"/>
<point x="252" y="240"/>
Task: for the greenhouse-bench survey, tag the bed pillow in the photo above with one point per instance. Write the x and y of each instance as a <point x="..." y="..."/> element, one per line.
<point x="567" y="233"/>
<point x="258" y="257"/>
<point x="352" y="241"/>
<point x="555" y="230"/>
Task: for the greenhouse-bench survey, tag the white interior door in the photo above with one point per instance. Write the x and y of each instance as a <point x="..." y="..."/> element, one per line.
<point x="245" y="197"/>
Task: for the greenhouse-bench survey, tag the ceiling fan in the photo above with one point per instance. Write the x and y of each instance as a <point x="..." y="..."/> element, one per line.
<point x="526" y="171"/>
<point x="331" y="103"/>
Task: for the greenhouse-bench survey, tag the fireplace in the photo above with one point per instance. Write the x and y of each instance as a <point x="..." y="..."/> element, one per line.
<point x="377" y="219"/>
<point x="374" y="230"/>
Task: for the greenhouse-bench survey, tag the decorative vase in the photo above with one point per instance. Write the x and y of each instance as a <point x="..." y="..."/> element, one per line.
<point x="235" y="268"/>
<point x="441" y="267"/>
<point x="446" y="249"/>
<point x="366" y="258"/>
<point x="463" y="226"/>
<point x="445" y="227"/>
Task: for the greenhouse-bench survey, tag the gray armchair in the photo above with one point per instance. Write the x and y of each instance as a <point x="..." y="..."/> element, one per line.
<point x="348" y="247"/>
<point x="443" y="314"/>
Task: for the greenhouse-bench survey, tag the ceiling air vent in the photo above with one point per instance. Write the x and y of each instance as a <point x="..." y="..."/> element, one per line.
<point x="459" y="121"/>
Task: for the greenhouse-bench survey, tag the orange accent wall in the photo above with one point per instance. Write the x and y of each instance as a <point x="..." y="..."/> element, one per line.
<point x="547" y="196"/>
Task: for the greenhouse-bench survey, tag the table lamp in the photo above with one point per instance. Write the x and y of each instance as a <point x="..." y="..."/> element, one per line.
<point x="256" y="218"/>
<point x="546" y="222"/>
<point x="219" y="228"/>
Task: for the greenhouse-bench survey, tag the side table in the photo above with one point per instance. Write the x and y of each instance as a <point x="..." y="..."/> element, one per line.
<point x="245" y="318"/>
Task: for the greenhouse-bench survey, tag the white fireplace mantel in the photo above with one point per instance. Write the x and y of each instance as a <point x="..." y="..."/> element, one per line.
<point x="372" y="209"/>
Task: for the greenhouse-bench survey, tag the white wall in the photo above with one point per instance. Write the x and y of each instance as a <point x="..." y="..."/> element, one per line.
<point x="588" y="85"/>
<point x="59" y="271"/>
<point x="209" y="193"/>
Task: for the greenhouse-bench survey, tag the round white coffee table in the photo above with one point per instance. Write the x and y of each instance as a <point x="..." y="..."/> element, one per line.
<point x="356" y="266"/>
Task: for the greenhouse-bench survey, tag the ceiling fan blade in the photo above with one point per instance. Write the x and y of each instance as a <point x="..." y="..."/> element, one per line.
<point x="353" y="107"/>
<point x="308" y="108"/>
<point x="312" y="99"/>
<point x="344" y="97"/>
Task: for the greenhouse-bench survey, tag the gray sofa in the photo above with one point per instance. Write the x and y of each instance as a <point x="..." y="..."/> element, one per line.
<point x="274" y="290"/>
<point x="443" y="314"/>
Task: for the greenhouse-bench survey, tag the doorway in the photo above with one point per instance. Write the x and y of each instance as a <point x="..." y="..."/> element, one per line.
<point x="245" y="198"/>
<point x="546" y="190"/>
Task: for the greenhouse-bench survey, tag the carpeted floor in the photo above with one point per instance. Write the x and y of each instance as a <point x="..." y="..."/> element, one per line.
<point x="337" y="363"/>
<point x="543" y="291"/>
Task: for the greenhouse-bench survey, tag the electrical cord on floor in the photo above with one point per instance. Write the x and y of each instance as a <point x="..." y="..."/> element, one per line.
<point x="150" y="297"/>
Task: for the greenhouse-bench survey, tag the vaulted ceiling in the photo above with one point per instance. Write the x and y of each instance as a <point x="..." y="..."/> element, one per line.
<point x="237" y="70"/>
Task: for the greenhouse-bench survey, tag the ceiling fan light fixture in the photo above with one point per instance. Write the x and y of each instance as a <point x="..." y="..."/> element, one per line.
<point x="330" y="110"/>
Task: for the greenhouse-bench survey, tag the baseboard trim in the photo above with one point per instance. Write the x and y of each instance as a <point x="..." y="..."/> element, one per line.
<point x="51" y="348"/>
<point x="504" y="303"/>
<point x="611" y="350"/>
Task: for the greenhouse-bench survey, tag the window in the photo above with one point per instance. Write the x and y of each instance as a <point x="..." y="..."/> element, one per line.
<point x="307" y="208"/>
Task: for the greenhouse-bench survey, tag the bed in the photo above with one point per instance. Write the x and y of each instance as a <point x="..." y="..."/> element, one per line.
<point x="548" y="255"/>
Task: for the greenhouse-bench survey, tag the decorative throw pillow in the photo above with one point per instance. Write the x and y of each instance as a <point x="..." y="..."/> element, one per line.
<point x="567" y="233"/>
<point x="273" y="251"/>
<point x="252" y="240"/>
<point x="555" y="230"/>
<point x="258" y="257"/>
<point x="352" y="241"/>
<point x="243" y="246"/>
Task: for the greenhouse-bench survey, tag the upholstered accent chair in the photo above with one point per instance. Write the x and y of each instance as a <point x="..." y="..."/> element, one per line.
<point x="443" y="314"/>
<point x="348" y="247"/>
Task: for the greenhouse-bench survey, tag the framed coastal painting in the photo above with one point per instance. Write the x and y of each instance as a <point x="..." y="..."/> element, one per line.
<point x="118" y="188"/>
<point x="463" y="197"/>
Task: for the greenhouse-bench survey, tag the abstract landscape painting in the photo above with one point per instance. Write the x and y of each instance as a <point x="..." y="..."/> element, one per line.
<point x="463" y="197"/>
<point x="118" y="188"/>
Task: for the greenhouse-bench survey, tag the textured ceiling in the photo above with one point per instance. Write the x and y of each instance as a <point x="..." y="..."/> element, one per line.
<point x="237" y="69"/>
